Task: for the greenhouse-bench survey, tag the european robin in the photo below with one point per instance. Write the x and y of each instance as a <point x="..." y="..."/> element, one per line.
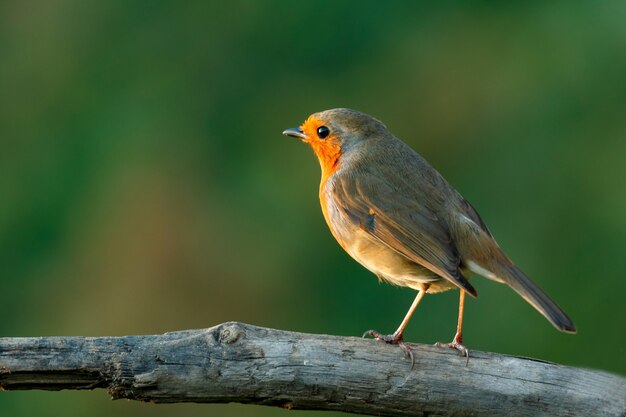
<point x="398" y="217"/>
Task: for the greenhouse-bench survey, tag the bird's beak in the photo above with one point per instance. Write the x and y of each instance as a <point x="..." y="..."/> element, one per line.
<point x="295" y="132"/>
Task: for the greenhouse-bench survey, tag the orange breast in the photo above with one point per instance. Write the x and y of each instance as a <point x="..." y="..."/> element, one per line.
<point x="328" y="152"/>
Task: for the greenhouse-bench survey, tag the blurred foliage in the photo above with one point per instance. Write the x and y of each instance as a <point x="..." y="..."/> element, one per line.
<point x="145" y="185"/>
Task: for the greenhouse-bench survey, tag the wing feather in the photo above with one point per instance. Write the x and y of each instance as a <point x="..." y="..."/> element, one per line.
<point x="398" y="216"/>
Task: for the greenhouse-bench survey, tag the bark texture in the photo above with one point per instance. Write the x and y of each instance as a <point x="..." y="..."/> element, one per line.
<point x="235" y="362"/>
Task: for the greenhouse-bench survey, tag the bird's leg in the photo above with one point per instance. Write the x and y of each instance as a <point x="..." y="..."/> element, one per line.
<point x="457" y="342"/>
<point x="396" y="337"/>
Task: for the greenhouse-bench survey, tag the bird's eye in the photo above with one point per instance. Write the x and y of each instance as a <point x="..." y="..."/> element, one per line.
<point x="323" y="132"/>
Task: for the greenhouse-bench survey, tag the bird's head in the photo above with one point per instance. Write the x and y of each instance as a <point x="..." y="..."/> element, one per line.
<point x="333" y="133"/>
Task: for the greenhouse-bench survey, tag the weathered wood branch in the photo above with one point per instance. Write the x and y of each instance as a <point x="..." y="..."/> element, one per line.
<point x="236" y="362"/>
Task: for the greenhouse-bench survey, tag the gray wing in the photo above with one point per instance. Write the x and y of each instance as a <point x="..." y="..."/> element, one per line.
<point x="399" y="215"/>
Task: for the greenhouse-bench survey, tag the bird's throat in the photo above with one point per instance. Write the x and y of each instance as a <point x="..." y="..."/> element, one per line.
<point x="328" y="154"/>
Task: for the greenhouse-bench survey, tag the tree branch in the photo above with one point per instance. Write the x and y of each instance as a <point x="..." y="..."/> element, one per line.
<point x="235" y="362"/>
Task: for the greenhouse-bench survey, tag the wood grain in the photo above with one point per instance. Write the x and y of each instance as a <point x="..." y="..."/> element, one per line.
<point x="236" y="362"/>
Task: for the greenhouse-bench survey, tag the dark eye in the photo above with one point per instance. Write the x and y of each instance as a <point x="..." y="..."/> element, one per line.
<point x="323" y="132"/>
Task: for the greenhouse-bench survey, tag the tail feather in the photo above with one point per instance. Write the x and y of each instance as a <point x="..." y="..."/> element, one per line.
<point x="516" y="279"/>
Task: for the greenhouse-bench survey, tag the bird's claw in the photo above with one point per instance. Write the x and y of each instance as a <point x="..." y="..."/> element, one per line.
<point x="393" y="339"/>
<point x="456" y="344"/>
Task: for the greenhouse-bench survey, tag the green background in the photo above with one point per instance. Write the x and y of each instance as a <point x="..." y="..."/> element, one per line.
<point x="145" y="185"/>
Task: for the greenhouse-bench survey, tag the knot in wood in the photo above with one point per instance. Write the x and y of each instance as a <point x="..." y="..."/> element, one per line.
<point x="231" y="333"/>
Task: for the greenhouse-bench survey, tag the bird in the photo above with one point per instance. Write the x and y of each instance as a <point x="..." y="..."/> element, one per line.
<point x="397" y="216"/>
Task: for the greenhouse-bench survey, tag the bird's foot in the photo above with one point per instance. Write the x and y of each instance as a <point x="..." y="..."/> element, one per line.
<point x="458" y="345"/>
<point x="393" y="339"/>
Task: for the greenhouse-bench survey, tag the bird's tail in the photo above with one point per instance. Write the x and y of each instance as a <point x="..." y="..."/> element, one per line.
<point x="529" y="291"/>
